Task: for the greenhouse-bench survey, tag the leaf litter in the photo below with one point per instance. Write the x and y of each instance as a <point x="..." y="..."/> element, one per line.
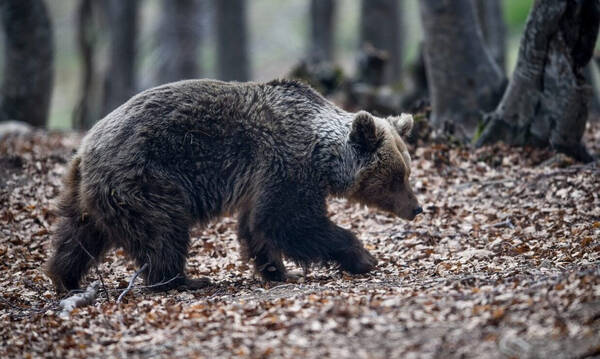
<point x="504" y="262"/>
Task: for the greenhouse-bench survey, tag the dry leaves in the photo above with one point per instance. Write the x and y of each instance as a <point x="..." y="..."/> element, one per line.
<point x="505" y="261"/>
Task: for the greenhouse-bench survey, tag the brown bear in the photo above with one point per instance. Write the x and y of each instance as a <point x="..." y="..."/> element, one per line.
<point x="187" y="152"/>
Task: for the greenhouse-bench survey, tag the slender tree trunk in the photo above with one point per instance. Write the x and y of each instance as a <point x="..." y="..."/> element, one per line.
<point x="179" y="40"/>
<point x="28" y="62"/>
<point x="321" y="30"/>
<point x="491" y="20"/>
<point x="590" y="73"/>
<point x="232" y="44"/>
<point x="418" y="94"/>
<point x="463" y="78"/>
<point x="546" y="102"/>
<point x="119" y="82"/>
<point x="88" y="109"/>
<point x="380" y="26"/>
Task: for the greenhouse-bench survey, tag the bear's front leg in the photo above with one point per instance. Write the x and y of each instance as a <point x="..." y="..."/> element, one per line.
<point x="294" y="222"/>
<point x="321" y="241"/>
<point x="352" y="255"/>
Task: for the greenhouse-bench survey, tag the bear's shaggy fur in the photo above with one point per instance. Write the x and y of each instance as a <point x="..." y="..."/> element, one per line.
<point x="190" y="151"/>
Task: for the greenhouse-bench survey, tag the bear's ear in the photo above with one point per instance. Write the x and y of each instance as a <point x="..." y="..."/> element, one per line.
<point x="402" y="124"/>
<point x="364" y="131"/>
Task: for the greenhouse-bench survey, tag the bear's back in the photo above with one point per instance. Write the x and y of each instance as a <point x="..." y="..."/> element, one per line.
<point x="200" y="127"/>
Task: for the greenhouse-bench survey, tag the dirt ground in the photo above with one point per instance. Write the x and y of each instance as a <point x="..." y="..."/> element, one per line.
<point x="504" y="262"/>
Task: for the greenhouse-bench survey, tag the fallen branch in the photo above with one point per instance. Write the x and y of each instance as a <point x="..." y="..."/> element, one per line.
<point x="590" y="167"/>
<point x="131" y="281"/>
<point x="506" y="223"/>
<point x="462" y="186"/>
<point x="84" y="298"/>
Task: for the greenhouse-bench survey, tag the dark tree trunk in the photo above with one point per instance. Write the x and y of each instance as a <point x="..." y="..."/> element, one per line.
<point x="371" y="65"/>
<point x="89" y="27"/>
<point x="418" y="94"/>
<point x="366" y="91"/>
<point x="232" y="51"/>
<point x="179" y="40"/>
<point x="463" y="78"/>
<point x="546" y="102"/>
<point x="380" y="26"/>
<point x="119" y="82"/>
<point x="28" y="62"/>
<point x="491" y="20"/>
<point x="594" y="104"/>
<point x="321" y="30"/>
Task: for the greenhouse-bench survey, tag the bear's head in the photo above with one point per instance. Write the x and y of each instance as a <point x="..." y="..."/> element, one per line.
<point x="383" y="178"/>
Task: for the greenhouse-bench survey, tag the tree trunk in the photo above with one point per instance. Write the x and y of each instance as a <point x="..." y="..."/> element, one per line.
<point x="417" y="95"/>
<point x="88" y="109"/>
<point x="321" y="30"/>
<point x="546" y="102"/>
<point x="371" y="66"/>
<point x="232" y="51"/>
<point x="491" y="20"/>
<point x="119" y="82"/>
<point x="380" y="26"/>
<point x="179" y="40"/>
<point x="28" y="62"/>
<point x="591" y="72"/>
<point x="463" y="78"/>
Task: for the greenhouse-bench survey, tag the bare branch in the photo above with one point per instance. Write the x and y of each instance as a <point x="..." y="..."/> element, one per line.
<point x="131" y="281"/>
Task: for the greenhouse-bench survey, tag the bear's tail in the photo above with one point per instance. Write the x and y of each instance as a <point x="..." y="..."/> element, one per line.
<point x="77" y="242"/>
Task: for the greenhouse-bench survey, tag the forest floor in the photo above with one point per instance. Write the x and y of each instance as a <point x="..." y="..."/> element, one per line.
<point x="504" y="262"/>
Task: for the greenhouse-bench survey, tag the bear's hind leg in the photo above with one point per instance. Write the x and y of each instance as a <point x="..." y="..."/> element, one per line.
<point x="165" y="255"/>
<point x="266" y="257"/>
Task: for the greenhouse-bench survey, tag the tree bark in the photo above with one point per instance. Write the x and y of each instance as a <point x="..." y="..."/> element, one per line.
<point x="417" y="95"/>
<point x="28" y="62"/>
<point x="491" y="20"/>
<point x="380" y="26"/>
<point x="232" y="45"/>
<point x="321" y="30"/>
<point x="119" y="82"/>
<point x="179" y="40"/>
<point x="594" y="104"/>
<point x="546" y="102"/>
<point x="88" y="108"/>
<point x="463" y="78"/>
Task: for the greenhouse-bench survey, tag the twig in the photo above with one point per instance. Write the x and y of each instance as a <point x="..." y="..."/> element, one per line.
<point x="506" y="222"/>
<point x="97" y="270"/>
<point x="282" y="286"/>
<point x="135" y="275"/>
<point x="159" y="283"/>
<point x="462" y="186"/>
<point x="591" y="167"/>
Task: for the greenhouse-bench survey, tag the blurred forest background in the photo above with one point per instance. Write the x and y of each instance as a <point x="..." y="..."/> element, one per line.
<point x="279" y="36"/>
<point x="362" y="54"/>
